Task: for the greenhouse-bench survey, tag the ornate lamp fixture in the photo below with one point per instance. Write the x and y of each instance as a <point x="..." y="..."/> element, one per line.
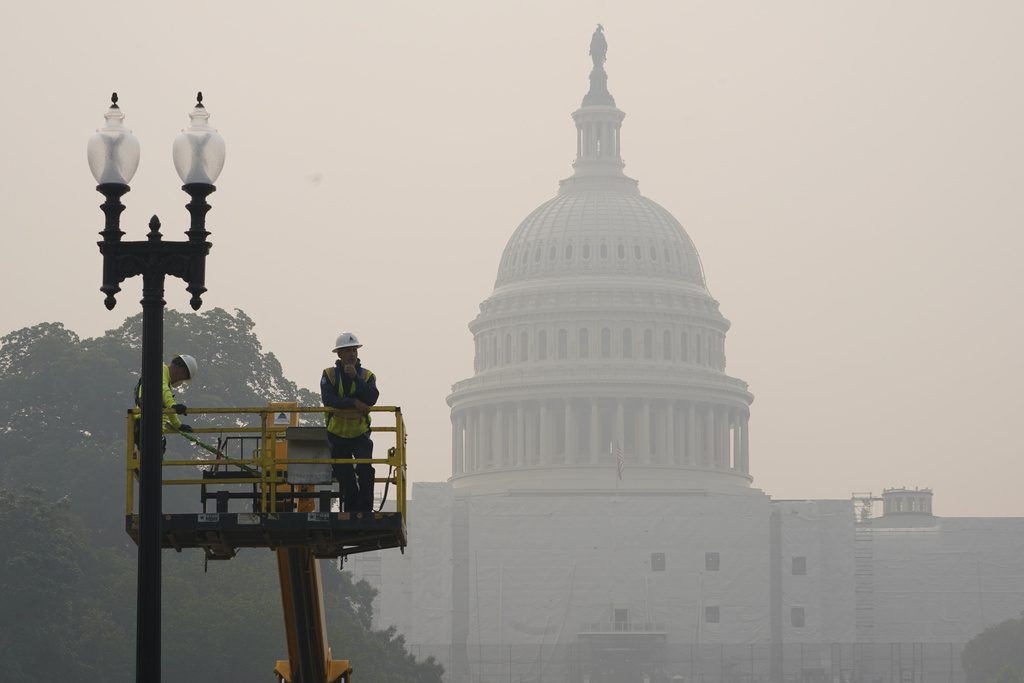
<point x="113" y="155"/>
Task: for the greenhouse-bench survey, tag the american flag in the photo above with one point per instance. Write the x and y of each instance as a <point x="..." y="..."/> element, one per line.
<point x="620" y="460"/>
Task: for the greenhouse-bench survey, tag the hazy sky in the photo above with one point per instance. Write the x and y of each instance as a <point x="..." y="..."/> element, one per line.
<point x="850" y="172"/>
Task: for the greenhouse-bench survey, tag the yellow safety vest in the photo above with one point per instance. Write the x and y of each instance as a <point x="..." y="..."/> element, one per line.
<point x="347" y="427"/>
<point x="171" y="422"/>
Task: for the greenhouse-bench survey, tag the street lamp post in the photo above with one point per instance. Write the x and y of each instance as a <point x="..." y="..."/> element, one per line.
<point x="113" y="155"/>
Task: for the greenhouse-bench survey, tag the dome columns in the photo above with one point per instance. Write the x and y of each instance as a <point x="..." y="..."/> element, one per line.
<point x="527" y="342"/>
<point x="598" y="141"/>
<point x="458" y="444"/>
<point x="581" y="431"/>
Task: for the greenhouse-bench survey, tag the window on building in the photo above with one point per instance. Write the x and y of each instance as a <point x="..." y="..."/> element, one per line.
<point x="563" y="344"/>
<point x="606" y="343"/>
<point x="666" y="345"/>
<point x="648" y="344"/>
<point x="711" y="615"/>
<point x="627" y="343"/>
<point x="604" y="251"/>
<point x="621" y="620"/>
<point x="622" y="251"/>
<point x="796" y="617"/>
<point x="799" y="565"/>
<point x="524" y="345"/>
<point x="684" y="348"/>
<point x="508" y="348"/>
<point x="568" y="252"/>
<point x="700" y="349"/>
<point x="542" y="345"/>
<point x="711" y="562"/>
<point x="584" y="343"/>
<point x="657" y="562"/>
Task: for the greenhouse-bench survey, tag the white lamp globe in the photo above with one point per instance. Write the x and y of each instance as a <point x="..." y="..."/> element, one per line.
<point x="113" y="152"/>
<point x="199" y="149"/>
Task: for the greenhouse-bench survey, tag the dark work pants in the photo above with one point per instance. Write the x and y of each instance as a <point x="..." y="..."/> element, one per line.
<point x="356" y="480"/>
<point x="138" y="440"/>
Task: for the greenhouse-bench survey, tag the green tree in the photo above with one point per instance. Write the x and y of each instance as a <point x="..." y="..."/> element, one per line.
<point x="57" y="623"/>
<point x="996" y="654"/>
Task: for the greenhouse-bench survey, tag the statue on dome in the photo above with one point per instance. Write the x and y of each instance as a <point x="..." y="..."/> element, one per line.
<point x="598" y="47"/>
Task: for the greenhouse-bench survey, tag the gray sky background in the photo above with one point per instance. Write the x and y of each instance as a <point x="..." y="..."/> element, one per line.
<point x="849" y="171"/>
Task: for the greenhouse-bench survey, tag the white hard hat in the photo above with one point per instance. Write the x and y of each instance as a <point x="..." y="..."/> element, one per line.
<point x="191" y="364"/>
<point x="346" y="340"/>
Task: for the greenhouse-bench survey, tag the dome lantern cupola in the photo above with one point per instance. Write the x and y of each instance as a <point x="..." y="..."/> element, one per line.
<point x="598" y="128"/>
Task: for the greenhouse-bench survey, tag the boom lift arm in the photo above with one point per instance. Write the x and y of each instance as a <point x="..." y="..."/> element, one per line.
<point x="306" y="629"/>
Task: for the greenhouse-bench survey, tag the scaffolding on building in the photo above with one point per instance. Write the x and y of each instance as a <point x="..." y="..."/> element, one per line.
<point x="863" y="568"/>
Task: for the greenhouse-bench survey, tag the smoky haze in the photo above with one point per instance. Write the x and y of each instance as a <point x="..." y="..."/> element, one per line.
<point x="848" y="172"/>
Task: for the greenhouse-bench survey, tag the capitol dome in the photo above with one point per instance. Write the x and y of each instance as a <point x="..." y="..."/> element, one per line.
<point x="600" y="354"/>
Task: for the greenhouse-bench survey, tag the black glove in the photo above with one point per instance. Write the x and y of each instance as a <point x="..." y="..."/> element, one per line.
<point x="185" y="428"/>
<point x="180" y="408"/>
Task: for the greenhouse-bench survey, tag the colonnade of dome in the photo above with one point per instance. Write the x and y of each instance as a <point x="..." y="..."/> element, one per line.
<point x="518" y="433"/>
<point x="597" y="339"/>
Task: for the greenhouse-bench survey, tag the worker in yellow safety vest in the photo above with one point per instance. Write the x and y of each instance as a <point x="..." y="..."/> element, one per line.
<point x="181" y="370"/>
<point x="347" y="385"/>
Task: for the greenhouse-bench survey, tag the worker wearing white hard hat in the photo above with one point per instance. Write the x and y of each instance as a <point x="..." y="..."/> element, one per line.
<point x="346" y="340"/>
<point x="350" y="387"/>
<point x="181" y="370"/>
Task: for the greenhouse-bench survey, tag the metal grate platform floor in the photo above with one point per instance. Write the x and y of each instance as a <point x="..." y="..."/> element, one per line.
<point x="327" y="534"/>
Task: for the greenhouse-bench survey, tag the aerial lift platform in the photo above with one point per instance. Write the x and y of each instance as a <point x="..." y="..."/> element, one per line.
<point x="269" y="465"/>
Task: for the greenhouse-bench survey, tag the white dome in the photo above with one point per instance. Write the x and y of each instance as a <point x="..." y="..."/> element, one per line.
<point x="600" y="232"/>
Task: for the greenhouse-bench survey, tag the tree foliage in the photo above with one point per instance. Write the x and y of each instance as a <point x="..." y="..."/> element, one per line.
<point x="68" y="568"/>
<point x="63" y="618"/>
<point x="996" y="655"/>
